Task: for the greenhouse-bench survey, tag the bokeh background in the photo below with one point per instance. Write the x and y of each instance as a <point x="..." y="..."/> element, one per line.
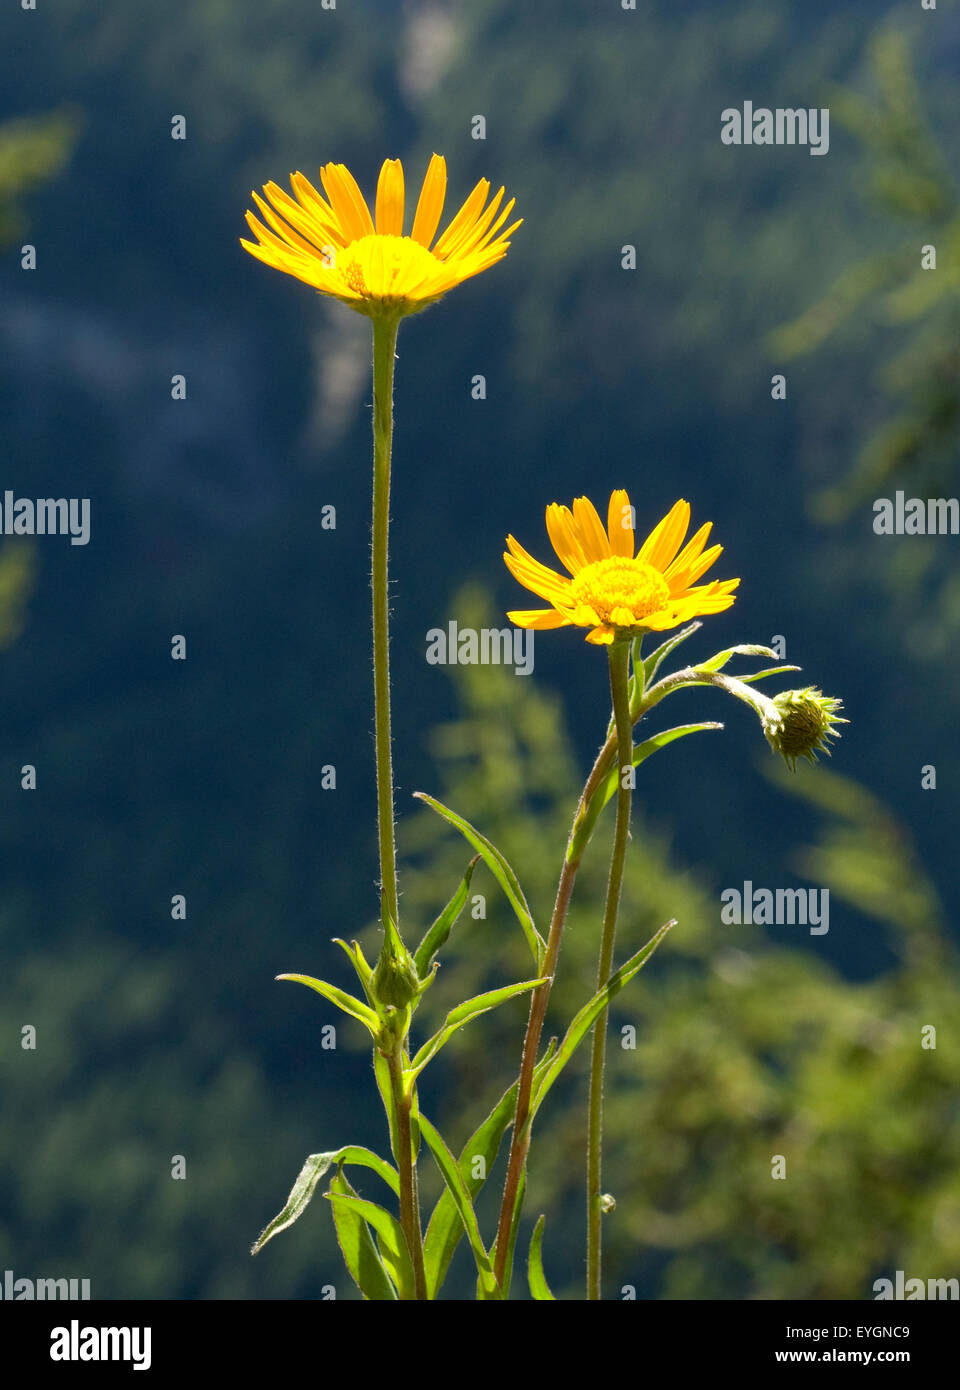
<point x="158" y="1037"/>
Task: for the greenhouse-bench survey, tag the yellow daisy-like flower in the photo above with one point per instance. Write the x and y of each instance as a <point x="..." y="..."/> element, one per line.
<point x="335" y="245"/>
<point x="614" y="592"/>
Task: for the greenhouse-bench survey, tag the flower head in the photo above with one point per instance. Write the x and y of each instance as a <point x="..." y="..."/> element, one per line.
<point x="799" y="723"/>
<point x="367" y="262"/>
<point x="613" y="591"/>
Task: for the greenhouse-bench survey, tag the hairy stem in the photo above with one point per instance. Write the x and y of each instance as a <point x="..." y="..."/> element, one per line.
<point x="384" y="349"/>
<point x="619" y="678"/>
<point x="409" y="1192"/>
<point x="520" y="1139"/>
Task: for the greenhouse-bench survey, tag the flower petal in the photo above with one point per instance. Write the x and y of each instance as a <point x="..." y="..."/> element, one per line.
<point x="620" y="524"/>
<point x="430" y="203"/>
<point x="389" y="209"/>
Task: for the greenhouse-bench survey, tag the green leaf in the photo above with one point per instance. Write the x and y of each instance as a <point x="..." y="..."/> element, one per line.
<point x="608" y="787"/>
<point x="446" y="1229"/>
<point x="436" y="937"/>
<point x="717" y="663"/>
<point x="390" y="1237"/>
<point x="462" y="1014"/>
<point x="343" y="1001"/>
<point x="356" y="1245"/>
<point x="311" y="1173"/>
<point x="514" y="1228"/>
<point x="770" y="671"/>
<point x="538" y="1281"/>
<point x="489" y="1289"/>
<point x="501" y="871"/>
<point x="360" y="965"/>
<point x="656" y="659"/>
<point x="584" y="1020"/>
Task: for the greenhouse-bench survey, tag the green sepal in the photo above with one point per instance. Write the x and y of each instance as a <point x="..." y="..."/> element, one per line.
<point x="462" y="1014"/>
<point x="390" y="1239"/>
<point x="436" y="937"/>
<point x="501" y="871"/>
<point x="310" y="1175"/>
<point x="354" y="1007"/>
<point x="360" y="1254"/>
<point x="489" y="1289"/>
<point x="539" y="1287"/>
<point x="445" y="1230"/>
<point x="584" y="1020"/>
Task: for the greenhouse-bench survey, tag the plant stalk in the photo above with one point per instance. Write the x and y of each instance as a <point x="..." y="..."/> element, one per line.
<point x="619" y="687"/>
<point x="406" y="1168"/>
<point x="384" y="350"/>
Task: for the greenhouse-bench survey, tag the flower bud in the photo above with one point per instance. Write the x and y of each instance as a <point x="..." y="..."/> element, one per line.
<point x="395" y="980"/>
<point x="799" y="723"/>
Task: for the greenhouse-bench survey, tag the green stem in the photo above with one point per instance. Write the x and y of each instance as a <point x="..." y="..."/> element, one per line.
<point x="619" y="687"/>
<point x="520" y="1139"/>
<point x="409" y="1191"/>
<point x="384" y="350"/>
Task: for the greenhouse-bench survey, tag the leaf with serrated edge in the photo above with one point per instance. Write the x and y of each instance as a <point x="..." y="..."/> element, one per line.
<point x="584" y="1020"/>
<point x="539" y="1287"/>
<point x="462" y="1014"/>
<point x="360" y="1255"/>
<point x="489" y="1288"/>
<point x="501" y="871"/>
<point x="311" y="1173"/>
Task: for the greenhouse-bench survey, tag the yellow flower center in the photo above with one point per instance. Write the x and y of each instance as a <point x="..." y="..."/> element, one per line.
<point x="620" y="591"/>
<point x="385" y="267"/>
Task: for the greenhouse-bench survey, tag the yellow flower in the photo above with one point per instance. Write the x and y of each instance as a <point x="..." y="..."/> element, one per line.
<point x="614" y="592"/>
<point x="333" y="243"/>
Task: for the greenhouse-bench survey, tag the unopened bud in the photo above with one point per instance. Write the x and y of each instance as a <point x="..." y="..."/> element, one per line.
<point x="799" y="723"/>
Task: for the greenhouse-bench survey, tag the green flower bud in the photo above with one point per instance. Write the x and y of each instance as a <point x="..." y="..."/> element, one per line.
<point x="799" y="723"/>
<point x="395" y="980"/>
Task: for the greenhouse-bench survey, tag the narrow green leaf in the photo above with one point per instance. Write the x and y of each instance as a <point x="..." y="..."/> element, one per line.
<point x="311" y="1173"/>
<point x="656" y="659"/>
<point x="501" y="871"/>
<point x="436" y="937"/>
<point x="343" y="1001"/>
<point x="356" y="1245"/>
<point x="360" y="965"/>
<point x="770" y="671"/>
<point x="446" y="1229"/>
<point x="717" y="663"/>
<point x="390" y="1237"/>
<point x="608" y="787"/>
<point x="489" y="1289"/>
<point x="584" y="1020"/>
<point x="514" y="1228"/>
<point x="538" y="1281"/>
<point x="462" y="1014"/>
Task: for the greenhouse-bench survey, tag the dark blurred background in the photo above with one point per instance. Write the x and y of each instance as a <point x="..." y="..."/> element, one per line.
<point x="159" y="1037"/>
